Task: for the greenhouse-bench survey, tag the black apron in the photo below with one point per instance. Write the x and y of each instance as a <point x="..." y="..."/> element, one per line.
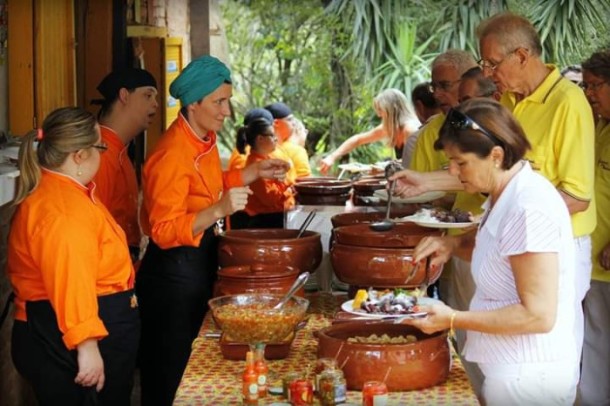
<point x="41" y="356"/>
<point x="174" y="286"/>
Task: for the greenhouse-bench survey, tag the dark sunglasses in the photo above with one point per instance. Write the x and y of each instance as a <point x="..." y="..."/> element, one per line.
<point x="461" y="121"/>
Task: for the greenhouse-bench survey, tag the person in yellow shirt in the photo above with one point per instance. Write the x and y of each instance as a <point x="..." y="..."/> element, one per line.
<point x="128" y="108"/>
<point x="186" y="197"/>
<point x="283" y="125"/>
<point x="398" y="122"/>
<point x="76" y="331"/>
<point x="594" y="385"/>
<point x="270" y="197"/>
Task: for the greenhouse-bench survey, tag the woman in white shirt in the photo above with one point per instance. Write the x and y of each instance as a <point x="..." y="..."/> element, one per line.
<point x="521" y="321"/>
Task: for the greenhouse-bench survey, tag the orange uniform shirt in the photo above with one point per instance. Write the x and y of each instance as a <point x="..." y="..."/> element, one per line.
<point x="271" y="195"/>
<point x="117" y="185"/>
<point x="237" y="160"/>
<point x="65" y="247"/>
<point x="182" y="176"/>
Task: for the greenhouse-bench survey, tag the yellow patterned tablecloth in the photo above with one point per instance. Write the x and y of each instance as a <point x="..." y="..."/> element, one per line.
<point x="209" y="379"/>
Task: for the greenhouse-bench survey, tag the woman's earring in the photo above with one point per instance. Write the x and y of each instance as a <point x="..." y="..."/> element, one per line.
<point x="78" y="171"/>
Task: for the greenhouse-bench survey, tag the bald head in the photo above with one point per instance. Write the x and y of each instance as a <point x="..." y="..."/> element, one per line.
<point x="511" y="31"/>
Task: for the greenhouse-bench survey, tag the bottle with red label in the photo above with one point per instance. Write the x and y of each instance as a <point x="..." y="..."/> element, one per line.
<point x="250" y="381"/>
<point x="262" y="370"/>
<point x="374" y="393"/>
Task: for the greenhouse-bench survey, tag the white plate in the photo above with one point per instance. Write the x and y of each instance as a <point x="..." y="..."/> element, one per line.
<point x="348" y="307"/>
<point x="441" y="224"/>
<point x="423" y="198"/>
<point x="355" y="167"/>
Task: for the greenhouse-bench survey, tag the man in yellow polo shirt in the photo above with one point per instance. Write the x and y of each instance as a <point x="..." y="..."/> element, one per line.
<point x="594" y="384"/>
<point x="556" y="119"/>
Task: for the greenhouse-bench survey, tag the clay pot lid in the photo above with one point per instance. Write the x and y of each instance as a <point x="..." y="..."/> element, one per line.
<point x="324" y="187"/>
<point x="258" y="271"/>
<point x="403" y="235"/>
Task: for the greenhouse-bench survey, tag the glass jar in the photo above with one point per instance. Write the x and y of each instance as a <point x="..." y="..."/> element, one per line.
<point x="287" y="380"/>
<point x="332" y="389"/>
<point x="374" y="393"/>
<point x="301" y="392"/>
<point x="323" y="364"/>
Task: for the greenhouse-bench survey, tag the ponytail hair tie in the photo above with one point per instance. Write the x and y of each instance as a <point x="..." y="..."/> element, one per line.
<point x="39" y="134"/>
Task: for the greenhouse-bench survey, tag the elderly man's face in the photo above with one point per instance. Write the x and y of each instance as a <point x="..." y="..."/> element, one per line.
<point x="597" y="90"/>
<point x="210" y="113"/>
<point x="445" y="80"/>
<point x="503" y="68"/>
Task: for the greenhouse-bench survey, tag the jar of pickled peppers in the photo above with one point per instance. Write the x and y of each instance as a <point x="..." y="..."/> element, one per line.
<point x="332" y="388"/>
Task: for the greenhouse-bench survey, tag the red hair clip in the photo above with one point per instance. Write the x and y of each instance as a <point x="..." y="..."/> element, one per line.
<point x="39" y="134"/>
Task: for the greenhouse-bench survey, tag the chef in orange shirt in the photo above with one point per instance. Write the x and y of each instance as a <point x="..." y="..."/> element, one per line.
<point x="76" y="329"/>
<point x="128" y="107"/>
<point x="186" y="198"/>
<point x="270" y="197"/>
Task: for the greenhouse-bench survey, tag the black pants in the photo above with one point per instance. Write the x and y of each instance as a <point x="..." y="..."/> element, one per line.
<point x="40" y="355"/>
<point x="173" y="286"/>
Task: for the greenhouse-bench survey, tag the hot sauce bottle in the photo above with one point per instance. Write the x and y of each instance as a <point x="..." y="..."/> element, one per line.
<point x="250" y="381"/>
<point x="262" y="370"/>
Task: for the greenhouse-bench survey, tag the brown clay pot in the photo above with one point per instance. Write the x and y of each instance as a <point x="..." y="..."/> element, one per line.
<point x="314" y="179"/>
<point x="380" y="267"/>
<point x="403" y="367"/>
<point x="273" y="246"/>
<point x="322" y="200"/>
<point x="366" y="187"/>
<point x="346" y="219"/>
<point x="403" y="235"/>
<point x="324" y="187"/>
<point x="258" y="278"/>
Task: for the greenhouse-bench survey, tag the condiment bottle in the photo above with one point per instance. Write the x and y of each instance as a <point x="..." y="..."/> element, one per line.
<point x="287" y="380"/>
<point x="249" y="381"/>
<point x="374" y="393"/>
<point x="262" y="370"/>
<point x="301" y="392"/>
<point x="332" y="389"/>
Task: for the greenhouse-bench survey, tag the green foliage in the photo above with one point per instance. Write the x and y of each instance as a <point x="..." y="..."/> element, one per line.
<point x="328" y="59"/>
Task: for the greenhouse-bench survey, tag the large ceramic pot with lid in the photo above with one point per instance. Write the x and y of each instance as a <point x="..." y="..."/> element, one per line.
<point x="364" y="189"/>
<point x="270" y="246"/>
<point x="258" y="278"/>
<point x="365" y="257"/>
<point x="331" y="192"/>
<point x="419" y="361"/>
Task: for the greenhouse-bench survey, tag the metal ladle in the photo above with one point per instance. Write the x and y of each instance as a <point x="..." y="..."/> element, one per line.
<point x="300" y="281"/>
<point x="386" y="224"/>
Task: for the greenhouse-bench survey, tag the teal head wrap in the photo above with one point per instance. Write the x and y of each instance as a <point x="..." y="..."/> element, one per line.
<point x="200" y="77"/>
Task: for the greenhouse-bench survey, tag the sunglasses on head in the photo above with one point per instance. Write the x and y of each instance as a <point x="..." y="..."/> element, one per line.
<point x="461" y="121"/>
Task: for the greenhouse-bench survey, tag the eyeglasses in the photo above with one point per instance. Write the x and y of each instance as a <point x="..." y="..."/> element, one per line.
<point x="591" y="86"/>
<point x="461" y="121"/>
<point x="492" y="66"/>
<point x="444" y="85"/>
<point x="103" y="147"/>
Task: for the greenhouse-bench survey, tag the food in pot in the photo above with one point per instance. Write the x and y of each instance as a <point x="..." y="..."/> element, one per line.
<point x="257" y="322"/>
<point x="383" y="339"/>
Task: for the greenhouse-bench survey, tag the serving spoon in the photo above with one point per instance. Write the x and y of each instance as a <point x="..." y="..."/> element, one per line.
<point x="300" y="281"/>
<point x="386" y="224"/>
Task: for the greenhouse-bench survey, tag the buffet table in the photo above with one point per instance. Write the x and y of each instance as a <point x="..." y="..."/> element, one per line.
<point x="209" y="379"/>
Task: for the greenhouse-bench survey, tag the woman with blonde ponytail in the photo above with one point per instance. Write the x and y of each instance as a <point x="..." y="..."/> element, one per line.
<point x="76" y="327"/>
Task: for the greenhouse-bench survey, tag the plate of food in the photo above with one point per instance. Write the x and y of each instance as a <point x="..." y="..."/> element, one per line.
<point x="423" y="198"/>
<point x="387" y="304"/>
<point x="442" y="218"/>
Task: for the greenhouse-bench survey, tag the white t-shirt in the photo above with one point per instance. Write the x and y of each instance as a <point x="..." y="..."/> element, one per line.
<point x="529" y="216"/>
